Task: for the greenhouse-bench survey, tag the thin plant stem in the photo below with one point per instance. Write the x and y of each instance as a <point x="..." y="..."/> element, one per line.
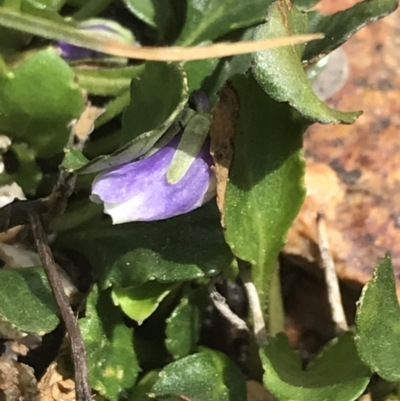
<point x="331" y="279"/>
<point x="82" y="388"/>
<point x="113" y="108"/>
<point x="222" y="306"/>
<point x="276" y="316"/>
<point x="43" y="27"/>
<point x="4" y="70"/>
<point x="260" y="331"/>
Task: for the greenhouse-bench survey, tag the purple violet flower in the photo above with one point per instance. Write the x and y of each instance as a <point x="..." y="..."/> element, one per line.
<point x="97" y="26"/>
<point x="139" y="191"/>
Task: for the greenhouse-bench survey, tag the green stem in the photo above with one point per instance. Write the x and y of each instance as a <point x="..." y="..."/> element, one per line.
<point x="114" y="108"/>
<point x="4" y="70"/>
<point x="276" y="315"/>
<point x="91" y="9"/>
<point x="257" y="312"/>
<point x="262" y="275"/>
<point x="14" y="5"/>
<point x="39" y="26"/>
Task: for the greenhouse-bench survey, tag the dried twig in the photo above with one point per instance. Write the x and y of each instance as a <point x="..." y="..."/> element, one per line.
<point x="16" y="213"/>
<point x="57" y="200"/>
<point x="332" y="282"/>
<point x="218" y="50"/>
<point x="259" y="328"/>
<point x="33" y="213"/>
<point x="81" y="128"/>
<point x="48" y="29"/>
<point x="82" y="388"/>
<point x="220" y="303"/>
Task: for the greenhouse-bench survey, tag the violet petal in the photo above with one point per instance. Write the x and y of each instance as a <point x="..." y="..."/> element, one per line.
<point x="139" y="191"/>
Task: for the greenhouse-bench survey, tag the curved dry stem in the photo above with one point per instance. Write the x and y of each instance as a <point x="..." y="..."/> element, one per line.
<point x="201" y="52"/>
<point x="39" y="26"/>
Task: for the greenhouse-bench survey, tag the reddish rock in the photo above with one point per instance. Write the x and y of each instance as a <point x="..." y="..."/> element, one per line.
<point x="353" y="172"/>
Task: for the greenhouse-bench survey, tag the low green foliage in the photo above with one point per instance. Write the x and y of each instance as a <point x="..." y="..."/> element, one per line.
<point x="289" y="83"/>
<point x="45" y="107"/>
<point x="336" y="374"/>
<point x="109" y="345"/>
<point x="35" y="311"/>
<point x="209" y="375"/>
<point x="272" y="177"/>
<point x="149" y="323"/>
<point x="378" y="323"/>
<point x="184" y="324"/>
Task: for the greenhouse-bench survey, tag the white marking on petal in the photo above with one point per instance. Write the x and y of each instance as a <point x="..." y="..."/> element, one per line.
<point x="133" y="209"/>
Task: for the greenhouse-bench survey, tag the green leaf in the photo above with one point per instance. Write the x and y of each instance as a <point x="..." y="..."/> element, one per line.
<point x="73" y="159"/>
<point x="198" y="70"/>
<point x="89" y="8"/>
<point x="48" y="11"/>
<point x="140" y="302"/>
<point x="26" y="301"/>
<point x="265" y="188"/>
<point x="11" y="40"/>
<point x="140" y="391"/>
<point x="11" y="4"/>
<point x="336" y="374"/>
<point x="210" y="19"/>
<point x="183" y="326"/>
<point x="39" y="101"/>
<point x="228" y="66"/>
<point x="113" y="367"/>
<point x="305" y="4"/>
<point x="208" y="375"/>
<point x="193" y="138"/>
<point x="378" y="323"/>
<point x="50" y="5"/>
<point x="143" y="388"/>
<point x="211" y="74"/>
<point x="76" y="3"/>
<point x="127" y="255"/>
<point x="28" y="174"/>
<point x="107" y="81"/>
<point x="342" y="25"/>
<point x="160" y="90"/>
<point x="47" y="28"/>
<point x="289" y="82"/>
<point x="141" y="130"/>
<point x="157" y="14"/>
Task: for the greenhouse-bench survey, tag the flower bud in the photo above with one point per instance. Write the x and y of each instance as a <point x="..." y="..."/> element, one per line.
<point x="140" y="191"/>
<point x="98" y="26"/>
